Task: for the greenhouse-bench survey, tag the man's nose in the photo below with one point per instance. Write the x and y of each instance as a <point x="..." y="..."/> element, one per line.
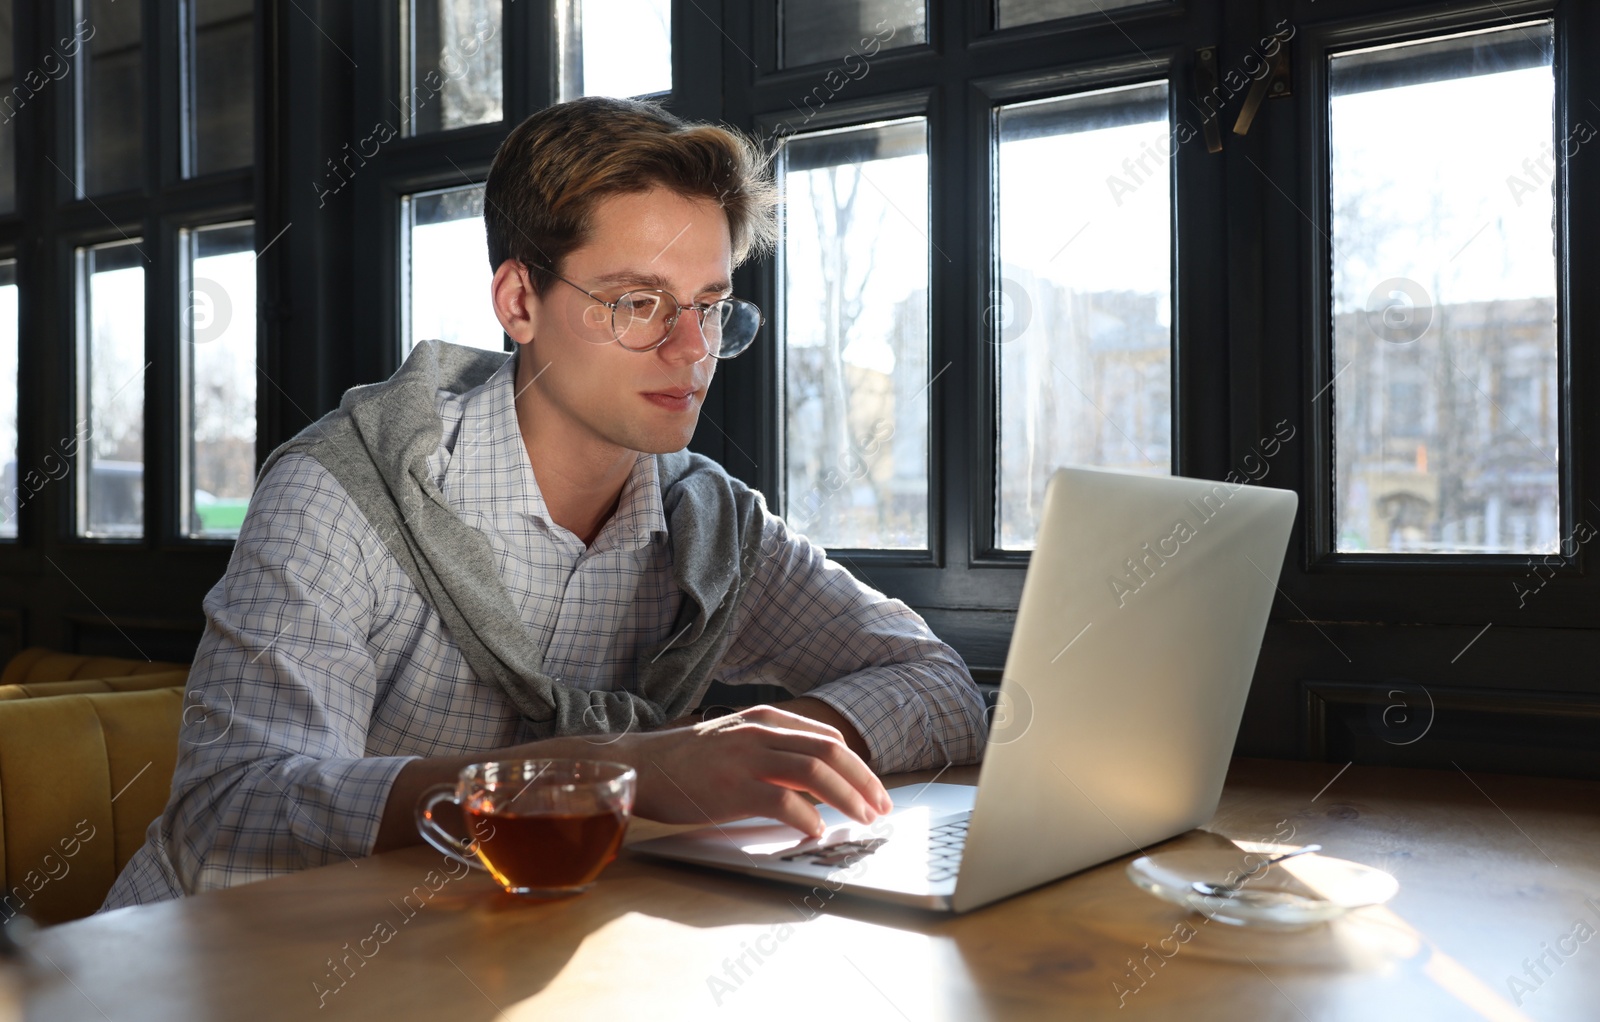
<point x="686" y="344"/>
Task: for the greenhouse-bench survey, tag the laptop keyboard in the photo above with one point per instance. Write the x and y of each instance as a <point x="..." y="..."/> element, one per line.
<point x="945" y="845"/>
<point x="840" y="853"/>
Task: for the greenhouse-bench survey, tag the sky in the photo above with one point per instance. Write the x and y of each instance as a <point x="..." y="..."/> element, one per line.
<point x="224" y="350"/>
<point x="631" y="53"/>
<point x="449" y="285"/>
<point x="1396" y="155"/>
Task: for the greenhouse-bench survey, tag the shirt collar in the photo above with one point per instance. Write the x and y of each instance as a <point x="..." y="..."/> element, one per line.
<point x="488" y="469"/>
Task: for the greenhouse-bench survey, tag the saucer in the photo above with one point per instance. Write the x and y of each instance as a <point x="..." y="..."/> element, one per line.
<point x="1302" y="891"/>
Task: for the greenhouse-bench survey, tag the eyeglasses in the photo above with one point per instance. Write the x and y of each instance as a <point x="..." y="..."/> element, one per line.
<point x="642" y="320"/>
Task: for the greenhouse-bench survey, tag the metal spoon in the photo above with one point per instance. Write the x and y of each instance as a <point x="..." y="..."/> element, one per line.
<point x="1228" y="890"/>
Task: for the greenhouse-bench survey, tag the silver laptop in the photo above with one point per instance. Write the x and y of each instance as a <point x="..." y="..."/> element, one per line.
<point x="1141" y="619"/>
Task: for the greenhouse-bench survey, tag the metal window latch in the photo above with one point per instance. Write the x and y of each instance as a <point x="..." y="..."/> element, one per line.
<point x="1206" y="92"/>
<point x="1274" y="84"/>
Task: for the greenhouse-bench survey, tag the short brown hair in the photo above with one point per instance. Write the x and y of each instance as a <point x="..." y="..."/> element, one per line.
<point x="552" y="169"/>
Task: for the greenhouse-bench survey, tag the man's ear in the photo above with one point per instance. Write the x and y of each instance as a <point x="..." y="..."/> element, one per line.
<point x="516" y="305"/>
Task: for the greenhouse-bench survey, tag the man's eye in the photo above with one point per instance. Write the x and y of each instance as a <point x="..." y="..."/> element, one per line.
<point x="643" y="308"/>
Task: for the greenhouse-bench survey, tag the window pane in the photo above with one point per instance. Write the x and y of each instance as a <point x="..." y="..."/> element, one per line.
<point x="111" y="367"/>
<point x="616" y="47"/>
<point x="450" y="64"/>
<point x="221" y="86"/>
<point x="219" y="323"/>
<point x="1010" y="13"/>
<point x="1081" y="317"/>
<point x="112" y="116"/>
<point x="1444" y="294"/>
<point x="11" y="100"/>
<point x="830" y="31"/>
<point x="9" y="476"/>
<point x="446" y="272"/>
<point x="856" y="375"/>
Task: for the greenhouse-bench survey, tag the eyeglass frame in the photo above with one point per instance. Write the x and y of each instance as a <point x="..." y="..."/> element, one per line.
<point x="761" y="318"/>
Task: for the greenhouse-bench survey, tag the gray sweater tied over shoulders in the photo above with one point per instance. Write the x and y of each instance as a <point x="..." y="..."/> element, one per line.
<point x="377" y="444"/>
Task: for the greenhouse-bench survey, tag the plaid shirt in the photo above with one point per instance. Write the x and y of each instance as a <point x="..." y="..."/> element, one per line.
<point x="323" y="670"/>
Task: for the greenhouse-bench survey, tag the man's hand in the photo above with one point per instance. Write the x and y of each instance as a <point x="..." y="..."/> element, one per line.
<point x="755" y="762"/>
<point x="805" y="706"/>
<point x="816" y="709"/>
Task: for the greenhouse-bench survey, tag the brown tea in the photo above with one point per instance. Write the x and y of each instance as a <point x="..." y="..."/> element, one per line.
<point x="545" y="851"/>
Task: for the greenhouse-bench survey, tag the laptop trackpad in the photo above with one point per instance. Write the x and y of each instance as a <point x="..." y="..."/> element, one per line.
<point x="762" y="835"/>
<point x="892" y="852"/>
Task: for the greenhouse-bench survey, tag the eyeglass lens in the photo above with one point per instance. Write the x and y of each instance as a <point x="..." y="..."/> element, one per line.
<point x="643" y="318"/>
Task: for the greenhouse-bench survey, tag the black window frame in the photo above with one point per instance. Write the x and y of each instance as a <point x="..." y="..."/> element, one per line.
<point x="1251" y="346"/>
<point x="965" y="586"/>
<point x="1250" y="350"/>
<point x="93" y="593"/>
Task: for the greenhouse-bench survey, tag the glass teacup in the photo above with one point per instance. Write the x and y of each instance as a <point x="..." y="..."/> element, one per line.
<point x="543" y="828"/>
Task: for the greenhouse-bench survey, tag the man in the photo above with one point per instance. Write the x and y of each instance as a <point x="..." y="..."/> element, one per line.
<point x="492" y="557"/>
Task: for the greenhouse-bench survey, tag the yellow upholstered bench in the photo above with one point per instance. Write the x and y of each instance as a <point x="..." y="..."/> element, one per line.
<point x="87" y="686"/>
<point x="39" y="664"/>
<point x="81" y="777"/>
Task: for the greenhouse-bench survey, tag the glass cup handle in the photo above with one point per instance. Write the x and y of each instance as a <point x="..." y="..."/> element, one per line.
<point x="436" y="835"/>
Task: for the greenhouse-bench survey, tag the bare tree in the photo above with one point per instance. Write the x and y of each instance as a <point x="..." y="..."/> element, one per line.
<point x="835" y="211"/>
<point x="843" y="296"/>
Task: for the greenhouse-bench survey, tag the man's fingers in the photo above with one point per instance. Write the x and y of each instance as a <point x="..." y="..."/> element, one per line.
<point x="816" y="776"/>
<point x="787" y="756"/>
<point x="842" y="758"/>
<point x="838" y="756"/>
<point x="794" y="810"/>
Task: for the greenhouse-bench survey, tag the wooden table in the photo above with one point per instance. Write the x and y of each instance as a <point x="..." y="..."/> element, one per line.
<point x="1494" y="871"/>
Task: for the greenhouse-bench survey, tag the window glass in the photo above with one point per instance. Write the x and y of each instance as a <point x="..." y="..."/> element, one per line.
<point x="451" y="60"/>
<point x="1445" y="378"/>
<point x="10" y="494"/>
<point x="446" y="274"/>
<point x="849" y="33"/>
<point x="1080" y="319"/>
<point x="111" y="368"/>
<point x="219" y="86"/>
<point x="111" y="97"/>
<point x="856" y="373"/>
<point x="1010" y="13"/>
<point x="219" y="324"/>
<point x="617" y="47"/>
